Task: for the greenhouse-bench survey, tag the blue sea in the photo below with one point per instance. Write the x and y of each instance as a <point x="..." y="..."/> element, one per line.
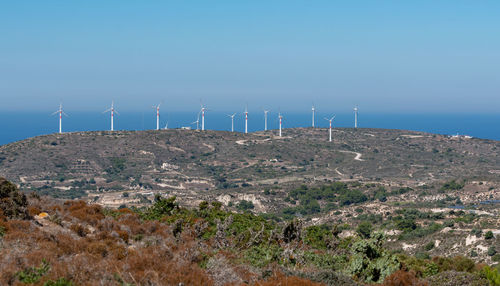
<point x="16" y="126"/>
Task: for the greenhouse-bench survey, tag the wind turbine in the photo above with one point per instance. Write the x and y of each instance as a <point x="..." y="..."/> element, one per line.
<point x="166" y="126"/>
<point x="197" y="121"/>
<point x="61" y="112"/>
<point x="280" y="117"/>
<point x="265" y="119"/>
<point x="202" y="110"/>
<point x="246" y="119"/>
<point x="157" y="107"/>
<point x="112" y="110"/>
<point x="232" y="121"/>
<point x="355" y="117"/>
<point x="313" y="114"/>
<point x="330" y="120"/>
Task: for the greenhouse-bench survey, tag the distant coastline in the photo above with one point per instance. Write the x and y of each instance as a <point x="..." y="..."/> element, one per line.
<point x="19" y="126"/>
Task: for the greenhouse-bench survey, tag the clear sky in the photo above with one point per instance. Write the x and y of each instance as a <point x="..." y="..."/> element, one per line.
<point x="399" y="56"/>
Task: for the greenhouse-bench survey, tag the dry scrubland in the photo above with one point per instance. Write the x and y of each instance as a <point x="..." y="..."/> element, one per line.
<point x="374" y="206"/>
<point x="47" y="242"/>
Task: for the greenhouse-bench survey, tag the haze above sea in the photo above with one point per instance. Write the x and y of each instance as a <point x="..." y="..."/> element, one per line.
<point x="16" y="126"/>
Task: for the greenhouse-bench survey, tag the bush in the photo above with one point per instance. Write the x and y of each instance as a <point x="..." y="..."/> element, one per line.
<point x="489" y="235"/>
<point x="452" y="186"/>
<point x="370" y="262"/>
<point x="162" y="207"/>
<point x="364" y="229"/>
<point x="13" y="203"/>
<point x="32" y="275"/>
<point x="403" y="278"/>
<point x="492" y="251"/>
<point x="407" y="224"/>
<point x="491" y="274"/>
<point x="429" y="246"/>
<point x="244" y="205"/>
<point x="352" y="197"/>
<point x="317" y="235"/>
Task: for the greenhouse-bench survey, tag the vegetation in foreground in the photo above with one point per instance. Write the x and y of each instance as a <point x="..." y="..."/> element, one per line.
<point x="47" y="242"/>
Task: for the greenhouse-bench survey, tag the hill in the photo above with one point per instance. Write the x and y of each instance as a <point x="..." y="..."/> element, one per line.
<point x="115" y="168"/>
<point x="430" y="195"/>
<point x="68" y="243"/>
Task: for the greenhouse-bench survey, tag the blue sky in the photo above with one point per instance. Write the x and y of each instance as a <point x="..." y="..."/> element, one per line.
<point x="386" y="56"/>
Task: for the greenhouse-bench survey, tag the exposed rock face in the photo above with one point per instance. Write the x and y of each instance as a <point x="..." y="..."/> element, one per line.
<point x="13" y="203"/>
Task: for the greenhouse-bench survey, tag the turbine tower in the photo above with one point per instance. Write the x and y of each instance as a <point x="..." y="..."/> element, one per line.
<point x="112" y="110"/>
<point x="61" y="112"/>
<point x="355" y="117"/>
<point x="246" y="119"/>
<point x="280" y="117"/>
<point x="265" y="119"/>
<point x="313" y="113"/>
<point x="157" y="116"/>
<point x="202" y="117"/>
<point x="330" y="130"/>
<point x="232" y="121"/>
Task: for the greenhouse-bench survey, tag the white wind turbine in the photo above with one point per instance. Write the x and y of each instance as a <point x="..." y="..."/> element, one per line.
<point x="232" y="121"/>
<point x="202" y="111"/>
<point x="157" y="107"/>
<point x="330" y="130"/>
<point x="313" y="114"/>
<point x="61" y="112"/>
<point x="112" y="110"/>
<point x="197" y="121"/>
<point x="281" y="119"/>
<point x="246" y="119"/>
<point x="355" y="117"/>
<point x="265" y="119"/>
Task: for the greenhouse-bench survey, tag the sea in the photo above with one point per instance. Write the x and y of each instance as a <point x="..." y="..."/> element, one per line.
<point x="16" y="126"/>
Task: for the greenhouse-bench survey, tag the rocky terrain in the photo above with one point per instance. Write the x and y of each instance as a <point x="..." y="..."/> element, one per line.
<point x="431" y="195"/>
<point x="197" y="165"/>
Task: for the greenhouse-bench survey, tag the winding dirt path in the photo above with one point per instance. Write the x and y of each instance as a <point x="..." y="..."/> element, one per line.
<point x="358" y="155"/>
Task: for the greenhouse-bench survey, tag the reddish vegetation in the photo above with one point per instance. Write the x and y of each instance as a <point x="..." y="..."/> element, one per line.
<point x="95" y="249"/>
<point x="87" y="247"/>
<point x="403" y="278"/>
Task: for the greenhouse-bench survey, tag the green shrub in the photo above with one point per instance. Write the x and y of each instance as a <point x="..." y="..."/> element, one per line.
<point x="162" y="207"/>
<point x="364" y="229"/>
<point x="58" y="282"/>
<point x="317" y="235"/>
<point x="492" y="251"/>
<point x="244" y="205"/>
<point x="262" y="255"/>
<point x="452" y="186"/>
<point x="32" y="275"/>
<point x="370" y="262"/>
<point x="491" y="274"/>
<point x="429" y="246"/>
<point x="489" y="235"/>
<point x="422" y="255"/>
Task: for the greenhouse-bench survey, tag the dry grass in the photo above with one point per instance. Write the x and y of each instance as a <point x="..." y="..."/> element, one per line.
<point x="89" y="248"/>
